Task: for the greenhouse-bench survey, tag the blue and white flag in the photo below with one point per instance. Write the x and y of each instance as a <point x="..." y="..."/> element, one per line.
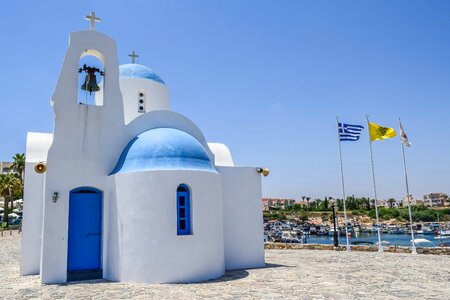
<point x="349" y="132"/>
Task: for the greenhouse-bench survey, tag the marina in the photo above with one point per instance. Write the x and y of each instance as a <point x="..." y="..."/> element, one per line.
<point x="425" y="234"/>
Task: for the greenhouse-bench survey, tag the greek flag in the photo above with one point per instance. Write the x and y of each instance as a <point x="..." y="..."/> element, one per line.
<point x="349" y="132"/>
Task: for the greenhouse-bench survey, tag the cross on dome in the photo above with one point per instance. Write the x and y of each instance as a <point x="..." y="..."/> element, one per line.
<point x="133" y="56"/>
<point x="92" y="18"/>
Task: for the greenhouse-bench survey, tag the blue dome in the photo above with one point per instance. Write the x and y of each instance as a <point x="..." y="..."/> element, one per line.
<point x="138" y="71"/>
<point x="163" y="149"/>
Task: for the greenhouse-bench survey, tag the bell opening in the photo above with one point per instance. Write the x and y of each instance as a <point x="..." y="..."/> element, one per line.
<point x="90" y="79"/>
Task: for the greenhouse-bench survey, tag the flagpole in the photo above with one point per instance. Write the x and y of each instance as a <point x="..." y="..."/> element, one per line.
<point x="343" y="187"/>
<point x="380" y="247"/>
<point x="413" y="249"/>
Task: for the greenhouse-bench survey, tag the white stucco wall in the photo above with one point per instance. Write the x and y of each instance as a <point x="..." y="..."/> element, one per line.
<point x="243" y="219"/>
<point x="156" y="96"/>
<point x="142" y="230"/>
<point x="36" y="151"/>
<point x="86" y="146"/>
<point x="222" y="155"/>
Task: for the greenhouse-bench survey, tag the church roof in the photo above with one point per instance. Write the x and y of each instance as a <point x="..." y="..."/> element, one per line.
<point x="164" y="149"/>
<point x="138" y="71"/>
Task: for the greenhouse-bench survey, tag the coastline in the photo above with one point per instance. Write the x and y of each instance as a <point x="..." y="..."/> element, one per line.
<point x="358" y="248"/>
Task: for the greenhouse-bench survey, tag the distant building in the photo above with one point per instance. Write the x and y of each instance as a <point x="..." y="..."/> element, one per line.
<point x="435" y="199"/>
<point x="412" y="199"/>
<point x="381" y="203"/>
<point x="387" y="204"/>
<point x="277" y="203"/>
<point x="6" y="167"/>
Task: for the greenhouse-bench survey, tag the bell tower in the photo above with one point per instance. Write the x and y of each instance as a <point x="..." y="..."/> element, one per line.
<point x="85" y="137"/>
<point x="87" y="101"/>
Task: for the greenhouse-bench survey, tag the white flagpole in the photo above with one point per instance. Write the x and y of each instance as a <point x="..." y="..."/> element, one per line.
<point x="413" y="249"/>
<point x="343" y="186"/>
<point x="380" y="247"/>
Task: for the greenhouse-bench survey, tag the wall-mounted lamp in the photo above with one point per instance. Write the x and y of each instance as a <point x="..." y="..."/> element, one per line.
<point x="55" y="197"/>
<point x="40" y="167"/>
<point x="263" y="171"/>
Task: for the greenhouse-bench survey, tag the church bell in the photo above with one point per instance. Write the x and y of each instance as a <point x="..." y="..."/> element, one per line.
<point x="90" y="82"/>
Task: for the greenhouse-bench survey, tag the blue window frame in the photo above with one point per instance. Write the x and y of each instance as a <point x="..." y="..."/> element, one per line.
<point x="183" y="210"/>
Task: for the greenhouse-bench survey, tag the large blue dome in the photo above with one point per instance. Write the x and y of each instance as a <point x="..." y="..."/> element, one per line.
<point x="138" y="71"/>
<point x="163" y="149"/>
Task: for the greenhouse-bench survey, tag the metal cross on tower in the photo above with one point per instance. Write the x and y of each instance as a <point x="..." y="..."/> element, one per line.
<point x="133" y="57"/>
<point x="92" y="18"/>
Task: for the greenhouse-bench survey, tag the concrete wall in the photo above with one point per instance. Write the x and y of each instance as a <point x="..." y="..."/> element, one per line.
<point x="36" y="151"/>
<point x="142" y="230"/>
<point x="243" y="220"/>
<point x="391" y="249"/>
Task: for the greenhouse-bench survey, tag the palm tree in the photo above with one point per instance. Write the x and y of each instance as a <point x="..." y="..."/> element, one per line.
<point x="19" y="164"/>
<point x="19" y="167"/>
<point x="8" y="185"/>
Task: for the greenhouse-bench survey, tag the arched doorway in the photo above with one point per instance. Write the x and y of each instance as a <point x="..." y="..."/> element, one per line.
<point x="85" y="234"/>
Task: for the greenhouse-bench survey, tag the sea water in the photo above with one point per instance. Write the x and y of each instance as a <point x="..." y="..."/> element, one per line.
<point x="393" y="239"/>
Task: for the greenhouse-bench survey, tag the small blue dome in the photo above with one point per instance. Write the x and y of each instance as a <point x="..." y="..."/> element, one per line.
<point x="163" y="149"/>
<point x="138" y="71"/>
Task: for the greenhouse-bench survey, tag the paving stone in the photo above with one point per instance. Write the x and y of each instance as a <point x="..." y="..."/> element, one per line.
<point x="291" y="274"/>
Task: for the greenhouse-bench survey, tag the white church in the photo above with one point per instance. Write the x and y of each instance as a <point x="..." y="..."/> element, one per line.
<point x="127" y="190"/>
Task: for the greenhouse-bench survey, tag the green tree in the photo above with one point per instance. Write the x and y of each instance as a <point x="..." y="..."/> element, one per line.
<point x="8" y="185"/>
<point x="368" y="206"/>
<point x="316" y="204"/>
<point x="350" y="203"/>
<point x="340" y="204"/>
<point x="296" y="207"/>
<point x="307" y="200"/>
<point x="325" y="204"/>
<point x="19" y="165"/>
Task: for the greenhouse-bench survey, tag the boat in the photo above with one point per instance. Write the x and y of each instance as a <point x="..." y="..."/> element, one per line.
<point x="331" y="231"/>
<point x="290" y="236"/>
<point x="431" y="229"/>
<point x="393" y="229"/>
<point x="322" y="231"/>
<point x="445" y="232"/>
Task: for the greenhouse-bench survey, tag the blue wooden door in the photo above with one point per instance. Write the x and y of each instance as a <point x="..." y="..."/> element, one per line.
<point x="85" y="230"/>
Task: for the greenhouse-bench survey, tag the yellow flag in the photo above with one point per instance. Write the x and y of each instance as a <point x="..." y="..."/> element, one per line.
<point x="378" y="132"/>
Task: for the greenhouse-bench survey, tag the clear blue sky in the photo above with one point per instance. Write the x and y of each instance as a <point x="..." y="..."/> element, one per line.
<point x="267" y="78"/>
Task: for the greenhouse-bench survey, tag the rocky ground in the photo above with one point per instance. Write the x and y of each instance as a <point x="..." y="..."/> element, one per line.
<point x="289" y="274"/>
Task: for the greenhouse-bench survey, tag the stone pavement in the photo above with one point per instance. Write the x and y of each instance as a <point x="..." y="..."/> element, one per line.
<point x="290" y="274"/>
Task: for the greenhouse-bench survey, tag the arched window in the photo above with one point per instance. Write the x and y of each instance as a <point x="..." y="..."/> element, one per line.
<point x="183" y="210"/>
<point x="91" y="78"/>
